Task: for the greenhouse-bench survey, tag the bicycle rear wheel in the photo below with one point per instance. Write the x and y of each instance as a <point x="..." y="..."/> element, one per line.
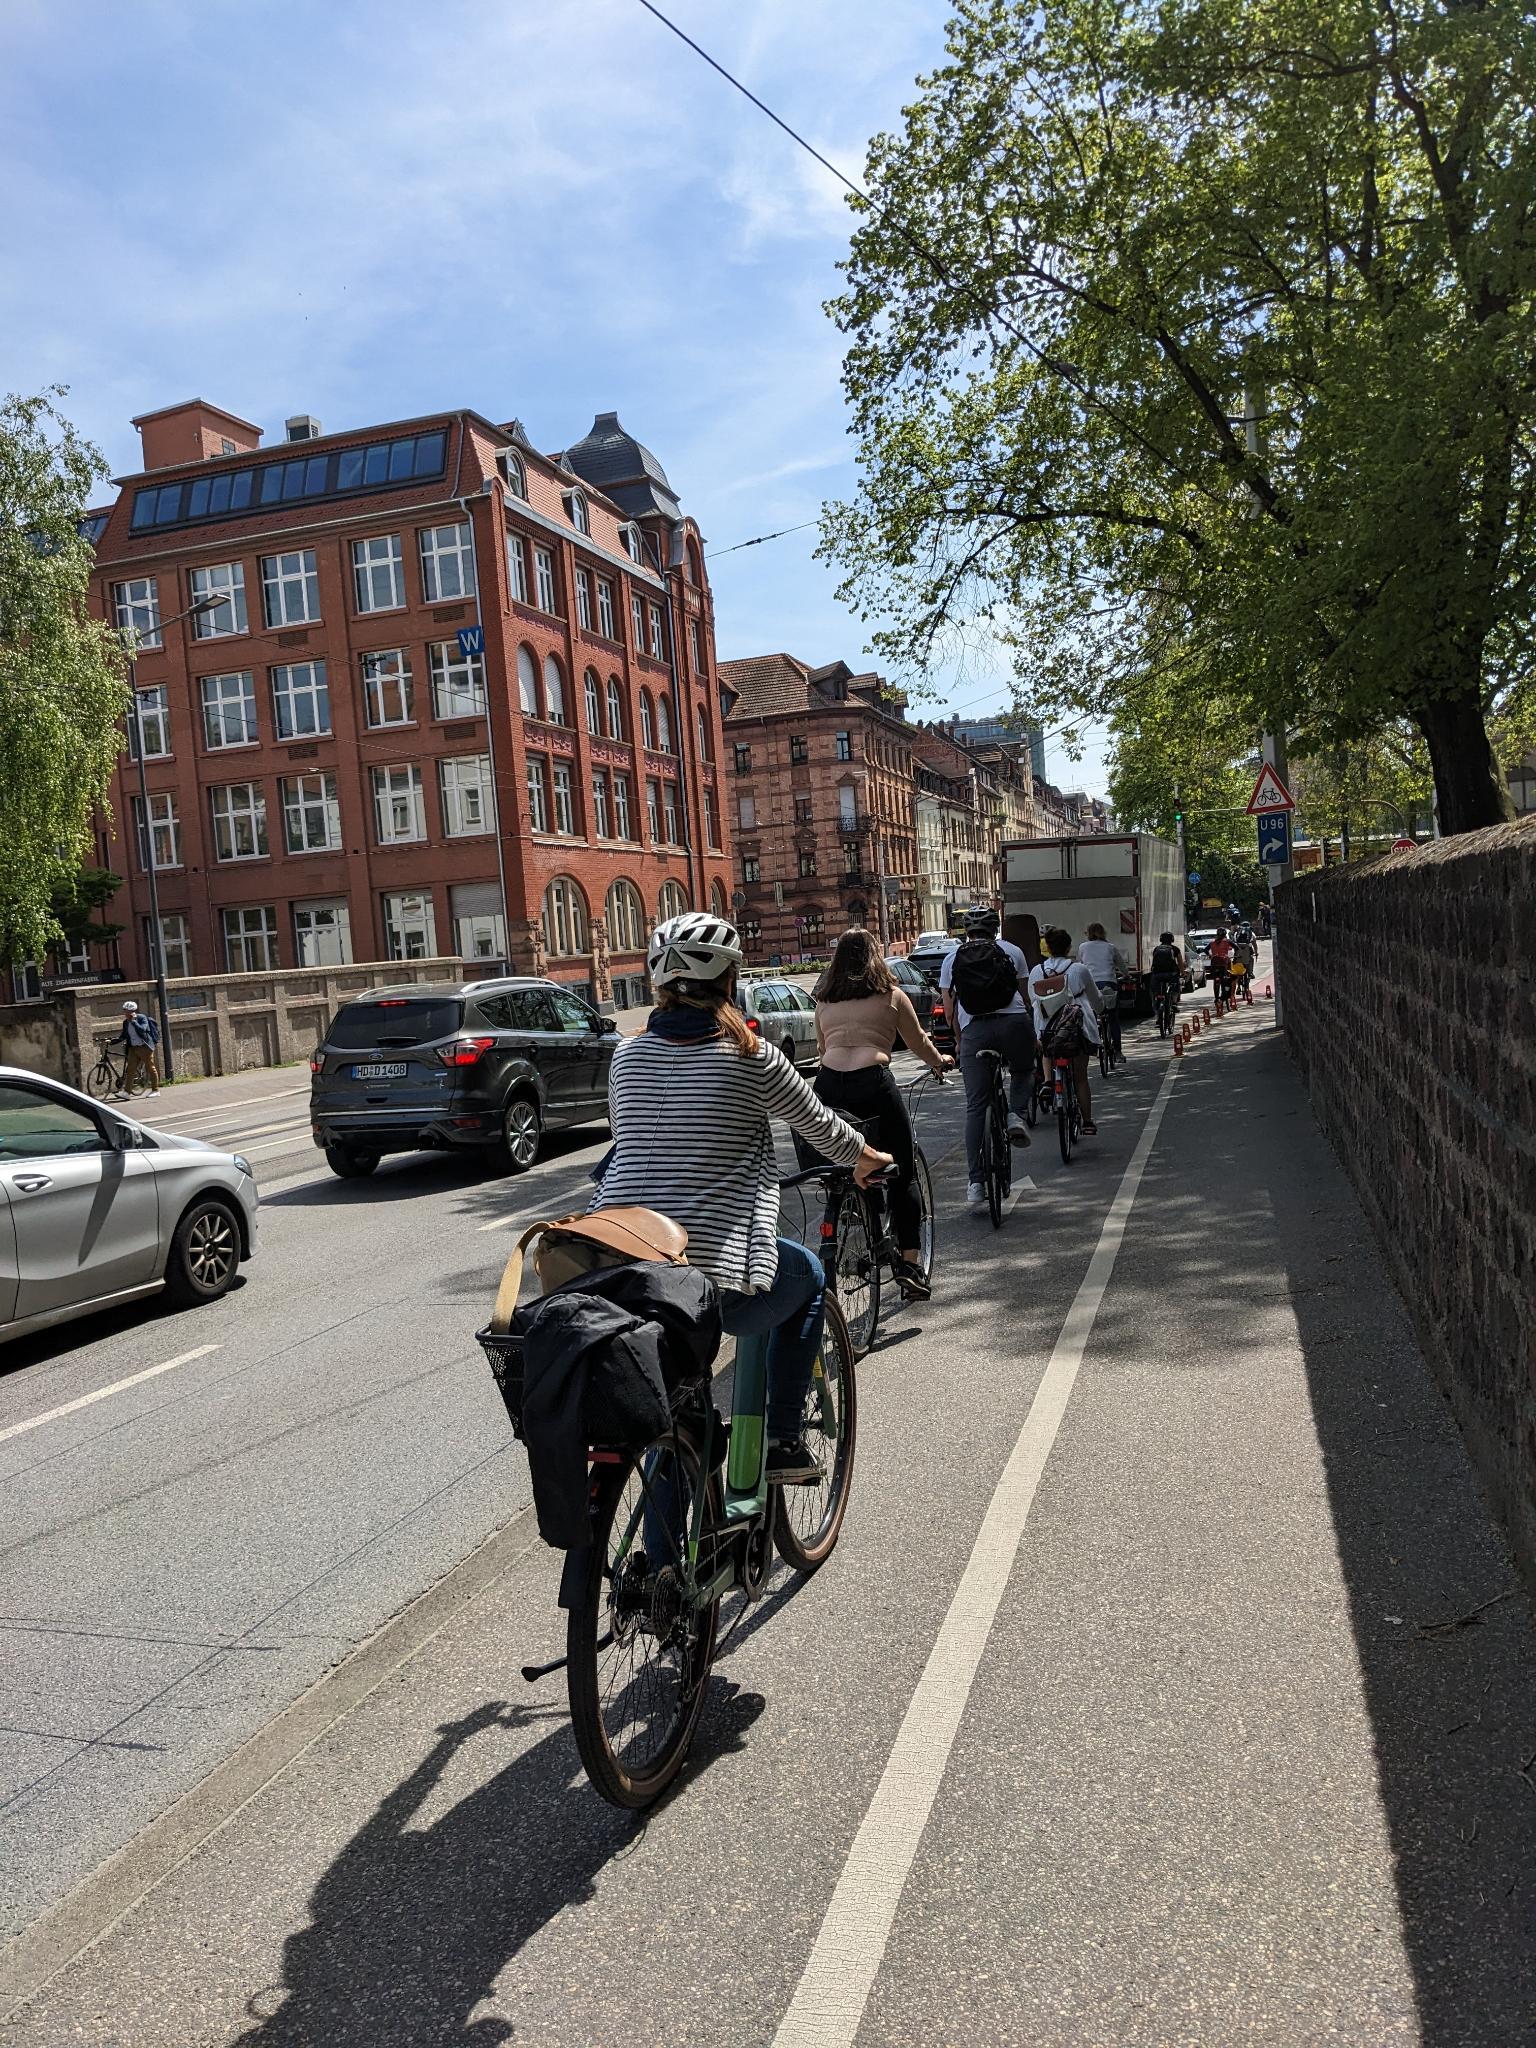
<point x="1068" y="1117"/>
<point x="1106" y="1054"/>
<point x="997" y="1158"/>
<point x="101" y="1080"/>
<point x="808" y="1520"/>
<point x="856" y="1266"/>
<point x="636" y="1697"/>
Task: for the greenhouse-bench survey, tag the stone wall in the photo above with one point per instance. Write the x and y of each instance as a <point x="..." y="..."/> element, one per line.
<point x="220" y="1023"/>
<point x="1409" y="999"/>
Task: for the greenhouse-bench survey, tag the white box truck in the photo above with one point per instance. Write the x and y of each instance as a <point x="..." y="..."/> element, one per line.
<point x="1132" y="883"/>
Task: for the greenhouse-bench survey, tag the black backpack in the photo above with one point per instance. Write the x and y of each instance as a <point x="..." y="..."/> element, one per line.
<point x="1164" y="960"/>
<point x="983" y="977"/>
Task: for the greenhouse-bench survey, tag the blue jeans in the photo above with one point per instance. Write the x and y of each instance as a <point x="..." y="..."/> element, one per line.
<point x="790" y="1312"/>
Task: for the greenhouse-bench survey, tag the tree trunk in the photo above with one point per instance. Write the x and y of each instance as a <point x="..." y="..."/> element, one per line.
<point x="1469" y="785"/>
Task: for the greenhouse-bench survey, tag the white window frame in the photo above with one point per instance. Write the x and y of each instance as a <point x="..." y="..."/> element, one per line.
<point x="458" y="681"/>
<point x="605" y="608"/>
<point x="564" y="805"/>
<point x="514" y="472"/>
<point x="241" y="933"/>
<point x="225" y="581"/>
<point x="567" y="931"/>
<point x="447" y="562"/>
<point x="538" y="794"/>
<point x="464" y="789"/>
<point x="637" y="619"/>
<point x="614" y="701"/>
<point x="314" y="690"/>
<point x="576" y="511"/>
<point x="175" y="943"/>
<point x="658" y="645"/>
<point x="634" y="546"/>
<point x="242" y="815"/>
<point x="544" y="579"/>
<point x="378" y="679"/>
<point x="647" y="721"/>
<point x="379" y="557"/>
<point x="653" y="807"/>
<point x="308" y="925"/>
<point x="711" y="821"/>
<point x="311" y="813"/>
<point x="663" y="724"/>
<point x="151" y="714"/>
<point x="290" y="588"/>
<point x="517" y="567"/>
<point x="671" y="902"/>
<point x="624" y="914"/>
<point x="669" y="813"/>
<point x="696" y="646"/>
<point x="621" y="810"/>
<point x="165" y="827"/>
<point x="216" y="705"/>
<point x="592" y="695"/>
<point x="554" y="691"/>
<point x="409" y="916"/>
<point x="399" y="811"/>
<point x="600" y="818"/>
<point x="136" y="608"/>
<point x="527" y="683"/>
<point x="584" y="599"/>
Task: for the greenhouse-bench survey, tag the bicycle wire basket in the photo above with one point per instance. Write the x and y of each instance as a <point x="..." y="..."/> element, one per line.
<point x="504" y="1354"/>
<point x="806" y="1155"/>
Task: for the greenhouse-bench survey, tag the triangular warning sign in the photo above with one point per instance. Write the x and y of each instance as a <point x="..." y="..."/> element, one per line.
<point x="1270" y="793"/>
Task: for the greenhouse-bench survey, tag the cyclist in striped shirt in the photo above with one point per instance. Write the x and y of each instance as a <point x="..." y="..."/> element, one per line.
<point x="691" y="1099"/>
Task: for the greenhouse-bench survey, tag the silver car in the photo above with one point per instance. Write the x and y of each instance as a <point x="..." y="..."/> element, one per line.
<point x="783" y="1014"/>
<point x="96" y="1209"/>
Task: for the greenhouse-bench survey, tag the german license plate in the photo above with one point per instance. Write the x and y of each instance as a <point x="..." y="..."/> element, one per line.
<point x="381" y="1070"/>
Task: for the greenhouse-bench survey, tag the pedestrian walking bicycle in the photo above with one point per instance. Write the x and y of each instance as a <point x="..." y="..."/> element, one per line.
<point x="674" y="1529"/>
<point x="106" y="1078"/>
<point x="857" y="1238"/>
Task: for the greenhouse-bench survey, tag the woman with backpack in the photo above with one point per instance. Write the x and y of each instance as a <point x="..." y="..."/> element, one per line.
<point x="860" y="1014"/>
<point x="1060" y="985"/>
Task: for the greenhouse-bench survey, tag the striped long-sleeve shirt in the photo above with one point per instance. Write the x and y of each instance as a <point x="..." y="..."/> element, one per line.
<point x="692" y="1138"/>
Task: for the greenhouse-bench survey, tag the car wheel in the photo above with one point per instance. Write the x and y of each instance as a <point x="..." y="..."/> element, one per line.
<point x="350" y="1165"/>
<point x="521" y="1129"/>
<point x="205" y="1253"/>
<point x="791" y="1052"/>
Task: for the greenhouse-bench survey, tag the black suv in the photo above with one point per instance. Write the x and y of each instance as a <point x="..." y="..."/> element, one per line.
<point x="473" y="1065"/>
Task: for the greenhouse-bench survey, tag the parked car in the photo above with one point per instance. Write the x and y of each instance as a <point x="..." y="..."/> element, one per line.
<point x="1197" y="955"/>
<point x="926" y="941"/>
<point x="908" y="978"/>
<point x="783" y="1014"/>
<point x="473" y="1066"/>
<point x="96" y="1209"/>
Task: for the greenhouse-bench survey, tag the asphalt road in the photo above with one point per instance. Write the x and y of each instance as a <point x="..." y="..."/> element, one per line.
<point x="1129" y="1710"/>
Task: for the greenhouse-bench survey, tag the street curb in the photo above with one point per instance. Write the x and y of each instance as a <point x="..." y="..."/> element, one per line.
<point x="109" y="1894"/>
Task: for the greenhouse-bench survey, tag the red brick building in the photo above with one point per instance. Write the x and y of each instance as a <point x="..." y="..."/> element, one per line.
<point x="820" y="805"/>
<point x="332" y="777"/>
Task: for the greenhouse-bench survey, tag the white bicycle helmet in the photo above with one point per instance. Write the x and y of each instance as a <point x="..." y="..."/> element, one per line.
<point x="697" y="946"/>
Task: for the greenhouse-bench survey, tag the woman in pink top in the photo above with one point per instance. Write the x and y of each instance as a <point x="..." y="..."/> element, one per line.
<point x="860" y="1014"/>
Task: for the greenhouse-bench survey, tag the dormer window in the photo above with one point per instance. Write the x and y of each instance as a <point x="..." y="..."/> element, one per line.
<point x="576" y="511"/>
<point x="630" y="535"/>
<point x="513" y="475"/>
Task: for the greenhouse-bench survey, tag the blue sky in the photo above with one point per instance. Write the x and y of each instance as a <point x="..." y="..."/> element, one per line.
<point x="371" y="209"/>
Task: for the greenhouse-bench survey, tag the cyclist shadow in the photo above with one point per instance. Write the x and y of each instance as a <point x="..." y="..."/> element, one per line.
<point x="411" y="1927"/>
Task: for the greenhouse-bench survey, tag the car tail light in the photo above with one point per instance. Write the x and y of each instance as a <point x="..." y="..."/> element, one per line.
<point x="753" y="1025"/>
<point x="464" y="1051"/>
<point x="317" y="1063"/>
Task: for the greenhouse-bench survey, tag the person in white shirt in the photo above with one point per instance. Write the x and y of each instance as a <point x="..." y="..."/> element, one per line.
<point x="992" y="975"/>
<point x="1106" y="963"/>
<point x="1057" y="981"/>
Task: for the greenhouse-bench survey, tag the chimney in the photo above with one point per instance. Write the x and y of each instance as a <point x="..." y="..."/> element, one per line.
<point x="194" y="431"/>
<point x="302" y="427"/>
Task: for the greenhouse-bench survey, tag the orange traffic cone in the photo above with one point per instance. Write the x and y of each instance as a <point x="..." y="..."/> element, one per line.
<point x="1187" y="1034"/>
<point x="1205" y="1016"/>
<point x="1178" y="1045"/>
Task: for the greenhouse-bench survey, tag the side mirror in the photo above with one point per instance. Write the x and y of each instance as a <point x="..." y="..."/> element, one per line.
<point x="605" y="1026"/>
<point x="120" y="1136"/>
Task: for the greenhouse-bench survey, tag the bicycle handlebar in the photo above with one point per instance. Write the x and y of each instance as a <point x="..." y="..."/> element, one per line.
<point x="832" y="1172"/>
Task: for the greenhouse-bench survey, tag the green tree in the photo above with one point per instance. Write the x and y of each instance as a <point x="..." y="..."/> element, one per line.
<point x="76" y="906"/>
<point x="63" y="684"/>
<point x="1211" y="323"/>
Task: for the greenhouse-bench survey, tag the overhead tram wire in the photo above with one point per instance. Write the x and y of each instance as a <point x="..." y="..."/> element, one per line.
<point x="757" y="540"/>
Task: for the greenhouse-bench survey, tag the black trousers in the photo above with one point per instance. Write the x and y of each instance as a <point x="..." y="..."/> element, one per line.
<point x="871" y="1092"/>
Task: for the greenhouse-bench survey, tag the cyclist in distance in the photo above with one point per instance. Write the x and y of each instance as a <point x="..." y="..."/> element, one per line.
<point x="983" y="984"/>
<point x="859" y="1010"/>
<point x="690" y="1099"/>
<point x="1106" y="963"/>
<point x="1167" y="970"/>
<point x="1221" y="959"/>
<point x="1058" y="980"/>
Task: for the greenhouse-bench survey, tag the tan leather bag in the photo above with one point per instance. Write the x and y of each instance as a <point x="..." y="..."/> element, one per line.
<point x="584" y="1244"/>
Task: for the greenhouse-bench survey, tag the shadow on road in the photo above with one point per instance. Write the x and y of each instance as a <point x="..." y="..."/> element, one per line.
<point x="410" y="1927"/>
<point x="410" y="1176"/>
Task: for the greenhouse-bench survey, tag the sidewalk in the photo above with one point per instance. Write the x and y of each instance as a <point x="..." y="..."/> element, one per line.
<point x="1244" y="1759"/>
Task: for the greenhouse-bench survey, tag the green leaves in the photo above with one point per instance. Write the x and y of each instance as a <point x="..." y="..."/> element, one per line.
<point x="62" y="673"/>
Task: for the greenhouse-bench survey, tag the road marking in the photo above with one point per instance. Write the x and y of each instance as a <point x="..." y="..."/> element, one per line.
<point x="102" y="1393"/>
<point x="829" y="2001"/>
<point x="219" y="1108"/>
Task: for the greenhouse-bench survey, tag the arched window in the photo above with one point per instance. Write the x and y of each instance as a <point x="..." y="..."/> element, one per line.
<point x="717" y="898"/>
<point x="554" y="691"/>
<point x="632" y="544"/>
<point x="565" y="917"/>
<point x="594" y="697"/>
<point x="625" y="914"/>
<point x="672" y="902"/>
<point x="663" y="725"/>
<point x="576" y="506"/>
<point x="647" y="720"/>
<point x="704" y="753"/>
<point x="527" y="682"/>
<point x="695" y="561"/>
<point x="513" y="475"/>
<point x="615" y="709"/>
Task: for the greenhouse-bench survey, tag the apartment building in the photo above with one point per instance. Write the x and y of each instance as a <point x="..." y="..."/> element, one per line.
<point x="821" y="805"/>
<point x="408" y="691"/>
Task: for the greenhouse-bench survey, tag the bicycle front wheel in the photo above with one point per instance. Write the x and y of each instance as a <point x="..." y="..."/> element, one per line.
<point x="856" y="1267"/>
<point x="1106" y="1055"/>
<point x="101" y="1080"/>
<point x="639" y="1653"/>
<point x="927" y="1225"/>
<point x="807" y="1520"/>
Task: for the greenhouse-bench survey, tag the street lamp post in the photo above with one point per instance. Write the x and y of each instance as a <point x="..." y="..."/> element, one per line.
<point x="156" y="936"/>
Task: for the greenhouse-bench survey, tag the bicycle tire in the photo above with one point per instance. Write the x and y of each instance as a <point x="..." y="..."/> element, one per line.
<point x="101" y="1081"/>
<point x="855" y="1266"/>
<point x="633" y="1781"/>
<point x="1106" y="1055"/>
<point x="927" y="1224"/>
<point x="140" y="1084"/>
<point x="997" y="1169"/>
<point x="802" y="1551"/>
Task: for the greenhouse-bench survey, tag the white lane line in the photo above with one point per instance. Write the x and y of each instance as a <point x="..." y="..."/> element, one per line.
<point x="829" y="2001"/>
<point x="221" y="1108"/>
<point x="103" y="1393"/>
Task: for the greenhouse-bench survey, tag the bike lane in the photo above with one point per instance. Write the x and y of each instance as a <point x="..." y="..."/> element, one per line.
<point x="1165" y="1762"/>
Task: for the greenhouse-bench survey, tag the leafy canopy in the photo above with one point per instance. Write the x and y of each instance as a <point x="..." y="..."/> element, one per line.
<point x="1211" y="325"/>
<point x="63" y="673"/>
